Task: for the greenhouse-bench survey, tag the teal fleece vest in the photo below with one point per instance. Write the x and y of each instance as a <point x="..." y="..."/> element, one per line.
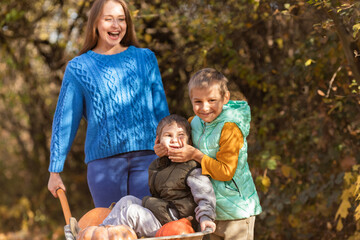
<point x="237" y="198"/>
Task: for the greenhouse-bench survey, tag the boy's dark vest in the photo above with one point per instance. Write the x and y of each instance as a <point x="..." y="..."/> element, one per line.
<point x="167" y="182"/>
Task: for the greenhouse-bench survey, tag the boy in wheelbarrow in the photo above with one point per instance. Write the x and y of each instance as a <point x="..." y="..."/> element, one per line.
<point x="178" y="190"/>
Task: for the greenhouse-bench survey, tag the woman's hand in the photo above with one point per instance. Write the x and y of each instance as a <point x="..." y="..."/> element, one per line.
<point x="159" y="148"/>
<point x="55" y="183"/>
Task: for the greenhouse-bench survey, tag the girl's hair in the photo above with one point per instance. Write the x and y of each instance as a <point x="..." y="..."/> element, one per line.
<point x="179" y="120"/>
<point x="207" y="76"/>
<point x="91" y="33"/>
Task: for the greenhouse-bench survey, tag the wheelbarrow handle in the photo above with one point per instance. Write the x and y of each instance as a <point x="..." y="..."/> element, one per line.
<point x="64" y="205"/>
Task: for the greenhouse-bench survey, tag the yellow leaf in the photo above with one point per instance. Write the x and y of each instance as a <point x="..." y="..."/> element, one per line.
<point x="356" y="27"/>
<point x="356" y="167"/>
<point x="309" y="62"/>
<point x="286" y="170"/>
<point x="321" y="93"/>
<point x="147" y="38"/>
<point x="348" y="177"/>
<point x="357" y="188"/>
<point x="339" y="226"/>
<point x="342" y="211"/>
<point x="293" y="221"/>
<point x="221" y="38"/>
<point x="44" y="36"/>
<point x="266" y="181"/>
<point x="135" y="13"/>
<point x="357" y="213"/>
<point x="280" y="43"/>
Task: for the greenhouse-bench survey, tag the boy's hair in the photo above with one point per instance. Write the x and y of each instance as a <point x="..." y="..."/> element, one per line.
<point x="174" y="118"/>
<point x="207" y="76"/>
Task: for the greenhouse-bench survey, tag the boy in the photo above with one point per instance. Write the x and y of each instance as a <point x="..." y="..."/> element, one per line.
<point x="178" y="189"/>
<point x="219" y="132"/>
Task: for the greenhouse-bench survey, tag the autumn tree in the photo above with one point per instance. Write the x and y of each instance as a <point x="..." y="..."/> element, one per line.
<point x="295" y="62"/>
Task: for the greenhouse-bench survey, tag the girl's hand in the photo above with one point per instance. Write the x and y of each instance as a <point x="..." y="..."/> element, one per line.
<point x="55" y="183"/>
<point x="159" y="148"/>
<point x="208" y="224"/>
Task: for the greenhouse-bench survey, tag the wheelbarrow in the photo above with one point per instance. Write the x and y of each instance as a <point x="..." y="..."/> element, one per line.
<point x="101" y="213"/>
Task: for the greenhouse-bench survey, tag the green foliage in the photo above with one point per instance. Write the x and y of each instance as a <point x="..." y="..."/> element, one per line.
<point x="295" y="62"/>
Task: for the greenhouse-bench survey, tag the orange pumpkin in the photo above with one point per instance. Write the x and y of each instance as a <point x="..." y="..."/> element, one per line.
<point x="109" y="232"/>
<point x="178" y="227"/>
<point x="94" y="217"/>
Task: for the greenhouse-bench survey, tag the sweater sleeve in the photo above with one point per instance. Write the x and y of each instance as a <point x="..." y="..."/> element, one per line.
<point x="224" y="166"/>
<point x="204" y="196"/>
<point x="69" y="111"/>
<point x="190" y="119"/>
<point x="161" y="109"/>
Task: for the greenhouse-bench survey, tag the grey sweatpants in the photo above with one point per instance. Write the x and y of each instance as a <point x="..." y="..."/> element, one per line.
<point x="128" y="211"/>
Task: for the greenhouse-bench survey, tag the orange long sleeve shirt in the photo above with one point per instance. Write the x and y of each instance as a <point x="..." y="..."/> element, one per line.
<point x="224" y="166"/>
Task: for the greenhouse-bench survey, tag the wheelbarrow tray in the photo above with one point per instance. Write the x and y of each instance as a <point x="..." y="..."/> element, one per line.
<point x="190" y="236"/>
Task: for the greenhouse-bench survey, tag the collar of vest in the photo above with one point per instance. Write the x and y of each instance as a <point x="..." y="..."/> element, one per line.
<point x="163" y="162"/>
<point x="234" y="111"/>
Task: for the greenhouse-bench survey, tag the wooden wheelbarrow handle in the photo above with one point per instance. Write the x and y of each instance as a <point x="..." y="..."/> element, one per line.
<point x="64" y="205"/>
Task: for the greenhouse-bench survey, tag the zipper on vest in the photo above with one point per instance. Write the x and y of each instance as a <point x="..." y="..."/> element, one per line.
<point x="202" y="134"/>
<point x="155" y="194"/>
<point x="236" y="186"/>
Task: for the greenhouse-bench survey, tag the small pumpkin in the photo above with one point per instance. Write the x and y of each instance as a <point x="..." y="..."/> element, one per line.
<point x="94" y="217"/>
<point x="178" y="227"/>
<point x="108" y="232"/>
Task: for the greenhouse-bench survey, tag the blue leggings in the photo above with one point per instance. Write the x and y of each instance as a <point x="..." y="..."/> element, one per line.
<point x="112" y="178"/>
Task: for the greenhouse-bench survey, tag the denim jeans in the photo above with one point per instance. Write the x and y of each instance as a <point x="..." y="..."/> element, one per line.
<point x="114" y="177"/>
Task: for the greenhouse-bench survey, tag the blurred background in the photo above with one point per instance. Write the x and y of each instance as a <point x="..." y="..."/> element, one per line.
<point x="297" y="63"/>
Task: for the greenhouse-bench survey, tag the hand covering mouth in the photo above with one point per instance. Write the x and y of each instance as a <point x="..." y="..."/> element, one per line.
<point x="175" y="147"/>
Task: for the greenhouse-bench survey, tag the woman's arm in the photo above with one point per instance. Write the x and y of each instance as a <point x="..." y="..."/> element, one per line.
<point x="66" y="121"/>
<point x="161" y="108"/>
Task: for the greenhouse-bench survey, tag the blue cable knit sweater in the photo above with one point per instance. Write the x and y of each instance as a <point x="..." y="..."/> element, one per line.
<point x="121" y="96"/>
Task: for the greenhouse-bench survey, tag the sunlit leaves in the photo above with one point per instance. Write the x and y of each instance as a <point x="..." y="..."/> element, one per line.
<point x="343" y="209"/>
<point x="356" y="29"/>
<point x="309" y="62"/>
<point x="263" y="182"/>
<point x="288" y="171"/>
<point x="280" y="55"/>
<point x="349" y="197"/>
<point x="14" y="15"/>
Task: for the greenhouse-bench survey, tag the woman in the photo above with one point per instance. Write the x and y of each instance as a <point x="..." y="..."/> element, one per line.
<point x="117" y="88"/>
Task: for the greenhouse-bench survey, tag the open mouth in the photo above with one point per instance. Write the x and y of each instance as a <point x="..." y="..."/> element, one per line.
<point x="114" y="34"/>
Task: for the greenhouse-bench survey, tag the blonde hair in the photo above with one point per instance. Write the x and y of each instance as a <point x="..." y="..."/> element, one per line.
<point x="206" y="77"/>
<point x="91" y="33"/>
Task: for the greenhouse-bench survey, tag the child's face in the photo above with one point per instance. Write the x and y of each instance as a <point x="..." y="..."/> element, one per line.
<point x="207" y="102"/>
<point x="173" y="136"/>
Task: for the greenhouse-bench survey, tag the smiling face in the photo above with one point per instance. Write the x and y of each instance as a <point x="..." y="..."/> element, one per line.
<point x="207" y="102"/>
<point x="111" y="27"/>
<point x="172" y="135"/>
